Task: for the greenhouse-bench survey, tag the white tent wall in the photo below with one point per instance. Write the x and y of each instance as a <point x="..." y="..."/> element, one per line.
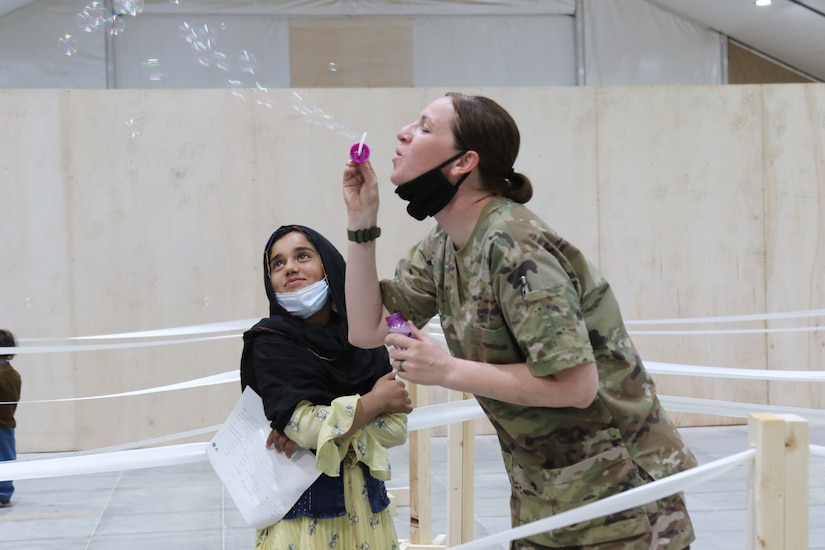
<point x="495" y="51"/>
<point x="34" y="46"/>
<point x="633" y="42"/>
<point x="128" y="210"/>
<point x="427" y="43"/>
<point x="244" y="51"/>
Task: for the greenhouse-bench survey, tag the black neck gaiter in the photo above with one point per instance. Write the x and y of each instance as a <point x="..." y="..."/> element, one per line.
<point x="430" y="192"/>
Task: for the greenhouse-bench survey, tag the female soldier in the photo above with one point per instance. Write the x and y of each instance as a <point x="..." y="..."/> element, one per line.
<point x="533" y="330"/>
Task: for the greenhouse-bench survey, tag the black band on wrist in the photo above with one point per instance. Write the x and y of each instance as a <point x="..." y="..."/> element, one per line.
<point x="364" y="235"/>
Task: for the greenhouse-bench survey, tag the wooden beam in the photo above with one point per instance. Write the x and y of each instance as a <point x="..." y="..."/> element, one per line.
<point x="460" y="478"/>
<point x="797" y="458"/>
<point x="778" y="482"/>
<point x="420" y="514"/>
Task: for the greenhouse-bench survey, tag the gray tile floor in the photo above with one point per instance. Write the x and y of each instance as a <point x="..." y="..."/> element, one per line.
<point x="185" y="507"/>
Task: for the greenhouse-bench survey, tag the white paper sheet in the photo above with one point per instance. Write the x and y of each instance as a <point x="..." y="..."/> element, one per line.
<point x="263" y="483"/>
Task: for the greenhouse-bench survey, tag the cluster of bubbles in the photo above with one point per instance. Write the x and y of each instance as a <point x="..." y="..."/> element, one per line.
<point x="95" y="17"/>
<point x="240" y="69"/>
<point x="318" y="117"/>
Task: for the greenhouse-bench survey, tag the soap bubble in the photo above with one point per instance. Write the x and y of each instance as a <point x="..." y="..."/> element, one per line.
<point x="221" y="61"/>
<point x="92" y="17"/>
<point x="153" y="69"/>
<point x="318" y="117"/>
<point x="115" y="25"/>
<point x="199" y="38"/>
<point x="202" y="40"/>
<point x="128" y="7"/>
<point x="206" y="301"/>
<point x="333" y="66"/>
<point x="247" y="62"/>
<point x="67" y="44"/>
<point x="134" y="124"/>
<point x="263" y="99"/>
<point x="242" y="71"/>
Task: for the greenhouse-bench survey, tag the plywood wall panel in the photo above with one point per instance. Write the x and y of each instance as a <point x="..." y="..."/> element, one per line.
<point x="36" y="274"/>
<point x="339" y="53"/>
<point x="795" y="232"/>
<point x="559" y="154"/>
<point x="134" y="210"/>
<point x="680" y="195"/>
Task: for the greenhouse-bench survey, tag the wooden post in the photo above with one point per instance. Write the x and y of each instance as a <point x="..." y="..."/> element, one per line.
<point x="468" y="474"/>
<point x="420" y="513"/>
<point x="778" y="482"/>
<point x="460" y="478"/>
<point x="797" y="458"/>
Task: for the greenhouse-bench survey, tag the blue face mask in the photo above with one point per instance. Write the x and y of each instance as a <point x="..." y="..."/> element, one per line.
<point x="306" y="302"/>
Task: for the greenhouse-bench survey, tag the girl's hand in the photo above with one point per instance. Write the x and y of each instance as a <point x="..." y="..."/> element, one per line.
<point x="391" y="394"/>
<point x="282" y="443"/>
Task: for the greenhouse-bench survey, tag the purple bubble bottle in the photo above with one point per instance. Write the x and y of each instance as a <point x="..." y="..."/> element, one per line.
<point x="397" y="324"/>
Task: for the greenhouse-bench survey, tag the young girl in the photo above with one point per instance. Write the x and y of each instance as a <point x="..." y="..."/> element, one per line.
<point x="326" y="395"/>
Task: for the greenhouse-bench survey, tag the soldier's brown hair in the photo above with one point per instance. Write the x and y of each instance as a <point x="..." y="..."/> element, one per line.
<point x="484" y="126"/>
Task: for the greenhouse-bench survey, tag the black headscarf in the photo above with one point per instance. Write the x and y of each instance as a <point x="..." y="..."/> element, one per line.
<point x="287" y="360"/>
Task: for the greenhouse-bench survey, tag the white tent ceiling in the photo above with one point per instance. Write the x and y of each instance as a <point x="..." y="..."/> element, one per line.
<point x="790" y="31"/>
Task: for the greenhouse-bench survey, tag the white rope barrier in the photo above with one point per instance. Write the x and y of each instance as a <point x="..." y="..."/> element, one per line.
<point x="725" y="372"/>
<point x="444" y="414"/>
<point x="733" y="318"/>
<point x="145" y="443"/>
<point x="108" y="459"/>
<point x="127" y="457"/>
<point x="818" y="450"/>
<point x="680" y="404"/>
<point x="425" y="417"/>
<point x="434" y="323"/>
<point x="652" y="367"/>
<point x="421" y="418"/>
<point x="727" y="331"/>
<point x="223" y="378"/>
<point x="24" y="350"/>
<point x="737" y="410"/>
<point x="209" y="328"/>
<point x="242" y="325"/>
<point x="106" y="462"/>
<point x="628" y="499"/>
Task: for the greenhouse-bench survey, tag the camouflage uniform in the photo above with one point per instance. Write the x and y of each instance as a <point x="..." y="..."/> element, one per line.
<point x="518" y="292"/>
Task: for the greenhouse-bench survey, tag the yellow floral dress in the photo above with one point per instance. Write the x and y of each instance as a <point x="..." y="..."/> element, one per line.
<point x="316" y="427"/>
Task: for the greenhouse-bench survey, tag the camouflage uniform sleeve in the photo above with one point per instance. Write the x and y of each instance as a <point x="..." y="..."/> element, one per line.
<point x="539" y="298"/>
<point x="412" y="291"/>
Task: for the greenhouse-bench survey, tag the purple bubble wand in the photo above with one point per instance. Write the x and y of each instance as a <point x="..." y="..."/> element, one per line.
<point x="360" y="151"/>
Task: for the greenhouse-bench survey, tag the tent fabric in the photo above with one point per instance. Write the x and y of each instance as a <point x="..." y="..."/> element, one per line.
<point x="247" y="44"/>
